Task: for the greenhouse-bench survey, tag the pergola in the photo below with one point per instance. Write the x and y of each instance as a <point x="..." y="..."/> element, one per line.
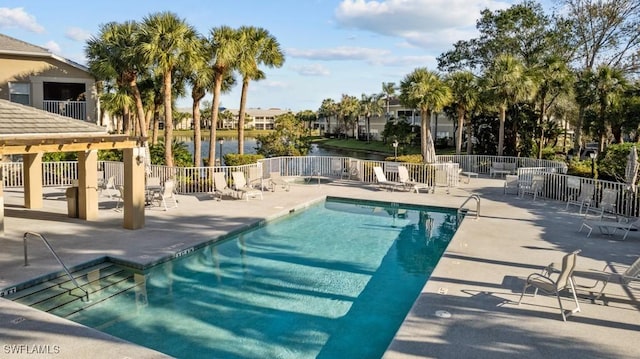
<point x="31" y="132"/>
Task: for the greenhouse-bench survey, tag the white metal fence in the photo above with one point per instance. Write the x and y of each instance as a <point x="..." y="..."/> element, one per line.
<point x="441" y="174"/>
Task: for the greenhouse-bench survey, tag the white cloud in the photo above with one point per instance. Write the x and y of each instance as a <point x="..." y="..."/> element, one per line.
<point x="312" y="70"/>
<point x="53" y="47"/>
<point x="420" y="22"/>
<point x="18" y="18"/>
<point x="338" y="53"/>
<point x="77" y="34"/>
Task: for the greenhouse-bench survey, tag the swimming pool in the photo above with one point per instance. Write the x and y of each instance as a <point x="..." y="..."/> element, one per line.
<point x="334" y="280"/>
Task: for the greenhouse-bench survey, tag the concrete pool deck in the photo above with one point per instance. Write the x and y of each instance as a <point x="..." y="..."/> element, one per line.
<point x="478" y="280"/>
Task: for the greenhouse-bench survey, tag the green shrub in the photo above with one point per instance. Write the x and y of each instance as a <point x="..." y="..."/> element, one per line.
<point x="234" y="159"/>
<point x="612" y="164"/>
<point x="406" y="159"/>
<point x="579" y="168"/>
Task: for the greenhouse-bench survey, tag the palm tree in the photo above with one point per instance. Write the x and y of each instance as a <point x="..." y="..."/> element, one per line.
<point x="426" y="91"/>
<point x="224" y="47"/>
<point x="257" y="47"/>
<point x="609" y="86"/>
<point x="328" y="109"/>
<point x="507" y="83"/>
<point x="349" y="111"/>
<point x="464" y="91"/>
<point x="168" y="41"/>
<point x="200" y="77"/>
<point x="371" y="106"/>
<point x="113" y="55"/>
<point x="554" y="79"/>
<point x="389" y="90"/>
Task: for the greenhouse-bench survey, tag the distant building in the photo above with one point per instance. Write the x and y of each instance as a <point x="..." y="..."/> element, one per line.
<point x="33" y="76"/>
<point x="255" y="118"/>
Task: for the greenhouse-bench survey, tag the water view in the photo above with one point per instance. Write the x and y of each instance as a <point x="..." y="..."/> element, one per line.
<point x="230" y="145"/>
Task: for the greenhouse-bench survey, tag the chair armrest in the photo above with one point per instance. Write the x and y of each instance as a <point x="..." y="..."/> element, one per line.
<point x="541" y="277"/>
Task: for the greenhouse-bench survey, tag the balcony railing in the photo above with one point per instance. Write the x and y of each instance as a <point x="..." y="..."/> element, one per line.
<point x="73" y="109"/>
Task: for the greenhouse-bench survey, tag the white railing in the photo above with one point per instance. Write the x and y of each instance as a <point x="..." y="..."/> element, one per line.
<point x="73" y="109"/>
<point x="442" y="174"/>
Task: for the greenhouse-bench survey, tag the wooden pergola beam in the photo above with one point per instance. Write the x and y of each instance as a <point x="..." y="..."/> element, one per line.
<point x="17" y="146"/>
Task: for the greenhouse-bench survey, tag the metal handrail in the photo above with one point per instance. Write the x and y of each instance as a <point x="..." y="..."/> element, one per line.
<point x="26" y="261"/>
<point x="475" y="197"/>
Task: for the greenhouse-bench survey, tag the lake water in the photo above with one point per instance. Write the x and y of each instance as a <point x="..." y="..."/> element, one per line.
<point x="230" y="145"/>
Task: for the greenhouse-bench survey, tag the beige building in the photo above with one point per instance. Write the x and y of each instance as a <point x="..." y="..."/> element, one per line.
<point x="33" y="76"/>
<point x="255" y="118"/>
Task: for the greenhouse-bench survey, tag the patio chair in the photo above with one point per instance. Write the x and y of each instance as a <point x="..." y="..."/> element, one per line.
<point x="629" y="275"/>
<point x="240" y="185"/>
<point x="383" y="182"/>
<point x="610" y="227"/>
<point x="338" y="169"/>
<point x="583" y="193"/>
<point x="109" y="187"/>
<point x="276" y="180"/>
<point x="119" y="196"/>
<point x="607" y="205"/>
<point x="166" y="197"/>
<point x="533" y="188"/>
<point x="403" y="177"/>
<point x="511" y="183"/>
<point x="220" y="187"/>
<point x="564" y="281"/>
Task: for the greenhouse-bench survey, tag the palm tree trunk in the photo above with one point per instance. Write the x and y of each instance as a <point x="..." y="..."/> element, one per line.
<point x="503" y="116"/>
<point x="426" y="140"/>
<point x="469" y="137"/>
<point x="215" y="113"/>
<point x="243" y="102"/>
<point x="168" y="121"/>
<point x="197" y="136"/>
<point x="460" y="128"/>
<point x="139" y="109"/>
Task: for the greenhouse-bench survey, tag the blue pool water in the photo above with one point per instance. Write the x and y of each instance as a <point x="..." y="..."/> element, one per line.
<point x="332" y="281"/>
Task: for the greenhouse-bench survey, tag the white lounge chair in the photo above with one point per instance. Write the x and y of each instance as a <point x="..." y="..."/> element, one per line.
<point x="610" y="227"/>
<point x="383" y="182"/>
<point x="545" y="283"/>
<point x="166" y="197"/>
<point x="240" y="185"/>
<point x="220" y="187"/>
<point x="403" y="176"/>
<point x="276" y="180"/>
<point x="583" y="193"/>
<point x="607" y="204"/>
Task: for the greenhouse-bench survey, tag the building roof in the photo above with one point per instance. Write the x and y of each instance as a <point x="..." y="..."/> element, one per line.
<point x="12" y="46"/>
<point x="21" y="121"/>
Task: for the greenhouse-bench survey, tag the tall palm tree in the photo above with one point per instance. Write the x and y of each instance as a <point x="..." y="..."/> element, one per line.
<point x="200" y="77"/>
<point x="328" y="109"/>
<point x="464" y="91"/>
<point x="428" y="92"/>
<point x="389" y="90"/>
<point x="113" y="55"/>
<point x="166" y="42"/>
<point x="349" y="111"/>
<point x="609" y="86"/>
<point x="224" y="47"/>
<point x="553" y="79"/>
<point x="370" y="106"/>
<point x="257" y="47"/>
<point x="507" y="83"/>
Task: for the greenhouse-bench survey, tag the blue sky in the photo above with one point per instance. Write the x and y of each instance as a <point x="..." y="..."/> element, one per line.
<point x="332" y="47"/>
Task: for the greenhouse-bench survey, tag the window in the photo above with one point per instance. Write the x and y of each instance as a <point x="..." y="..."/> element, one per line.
<point x="19" y="92"/>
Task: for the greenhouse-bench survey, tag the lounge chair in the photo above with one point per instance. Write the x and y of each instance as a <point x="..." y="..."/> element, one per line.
<point x="276" y="180"/>
<point x="109" y="188"/>
<point x="583" y="193"/>
<point x="166" y="197"/>
<point x="220" y="187"/>
<point x="607" y="205"/>
<point x="545" y="283"/>
<point x="240" y="185"/>
<point x="383" y="182"/>
<point x="629" y="275"/>
<point x="511" y="183"/>
<point x="403" y="177"/>
<point x="610" y="227"/>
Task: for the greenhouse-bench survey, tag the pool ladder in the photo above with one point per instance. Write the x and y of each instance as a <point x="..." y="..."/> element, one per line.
<point x="477" y="199"/>
<point x="85" y="297"/>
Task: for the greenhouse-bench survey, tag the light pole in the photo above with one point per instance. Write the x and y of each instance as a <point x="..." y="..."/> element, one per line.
<point x="593" y="163"/>
<point x="395" y="150"/>
<point x="220" y="142"/>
